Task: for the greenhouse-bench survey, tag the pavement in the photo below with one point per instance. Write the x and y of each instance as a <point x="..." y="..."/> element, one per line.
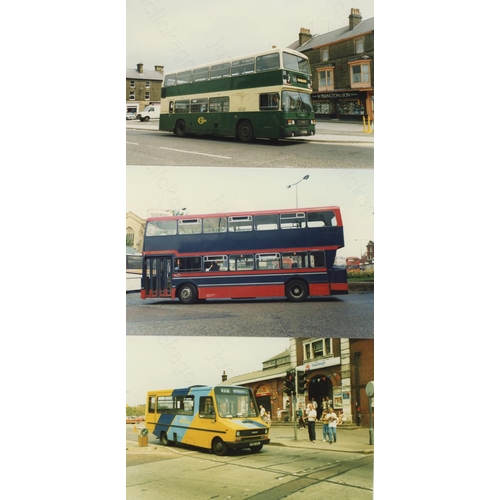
<point x="350" y="439"/>
<point x="326" y="131"/>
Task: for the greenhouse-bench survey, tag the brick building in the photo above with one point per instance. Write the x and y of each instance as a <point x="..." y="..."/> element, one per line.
<point x="336" y="368"/>
<point x="143" y="87"/>
<point x="342" y="69"/>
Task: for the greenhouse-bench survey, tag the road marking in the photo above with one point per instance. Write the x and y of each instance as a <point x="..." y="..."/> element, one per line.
<point x="193" y="153"/>
<point x="134" y="143"/>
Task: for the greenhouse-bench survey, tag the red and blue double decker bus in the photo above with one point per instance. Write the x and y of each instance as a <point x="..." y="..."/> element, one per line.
<point x="261" y="95"/>
<point x="273" y="253"/>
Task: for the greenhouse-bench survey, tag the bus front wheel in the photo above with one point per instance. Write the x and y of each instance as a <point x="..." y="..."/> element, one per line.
<point x="219" y="447"/>
<point x="180" y="128"/>
<point x="187" y="294"/>
<point x="296" y="291"/>
<point x="245" y="131"/>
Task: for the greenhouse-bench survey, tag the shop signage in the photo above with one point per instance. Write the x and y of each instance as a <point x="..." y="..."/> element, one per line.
<point x="314" y="365"/>
<point x="336" y="95"/>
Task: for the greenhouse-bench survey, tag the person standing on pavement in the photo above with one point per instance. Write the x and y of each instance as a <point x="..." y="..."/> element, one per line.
<point x="311" y="422"/>
<point x="278" y="414"/>
<point x="262" y="412"/>
<point x="300" y="413"/>
<point x="326" y="429"/>
<point x="332" y="418"/>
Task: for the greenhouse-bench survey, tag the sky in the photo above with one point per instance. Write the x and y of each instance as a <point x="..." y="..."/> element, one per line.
<point x="176" y="362"/>
<point x="178" y="35"/>
<point x="240" y="189"/>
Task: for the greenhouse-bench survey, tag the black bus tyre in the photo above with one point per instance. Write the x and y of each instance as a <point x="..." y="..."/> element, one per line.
<point x="219" y="447"/>
<point x="255" y="449"/>
<point x="163" y="439"/>
<point x="296" y="291"/>
<point x="180" y="128"/>
<point x="187" y="294"/>
<point x="245" y="131"/>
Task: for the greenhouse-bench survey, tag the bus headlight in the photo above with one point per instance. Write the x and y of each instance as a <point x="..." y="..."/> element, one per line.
<point x="291" y="122"/>
<point x="237" y="433"/>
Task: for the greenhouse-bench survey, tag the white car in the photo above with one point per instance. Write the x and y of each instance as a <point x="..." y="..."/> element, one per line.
<point x="131" y="115"/>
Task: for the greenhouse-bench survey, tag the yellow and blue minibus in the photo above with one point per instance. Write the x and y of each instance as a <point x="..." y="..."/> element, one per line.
<point x="219" y="418"/>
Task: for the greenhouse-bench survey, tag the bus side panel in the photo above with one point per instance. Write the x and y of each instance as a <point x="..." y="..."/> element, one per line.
<point x="175" y="426"/>
<point x="319" y="289"/>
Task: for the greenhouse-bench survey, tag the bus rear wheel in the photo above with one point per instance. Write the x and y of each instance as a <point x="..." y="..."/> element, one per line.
<point x="187" y="294"/>
<point x="163" y="439"/>
<point x="180" y="128"/>
<point x="245" y="131"/>
<point x="296" y="291"/>
<point x="219" y="447"/>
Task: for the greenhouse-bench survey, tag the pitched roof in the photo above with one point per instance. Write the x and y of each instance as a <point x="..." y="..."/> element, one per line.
<point x="133" y="74"/>
<point x="335" y="36"/>
<point x="259" y="375"/>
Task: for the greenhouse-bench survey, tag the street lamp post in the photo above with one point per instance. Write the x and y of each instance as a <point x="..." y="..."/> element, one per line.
<point x="296" y="189"/>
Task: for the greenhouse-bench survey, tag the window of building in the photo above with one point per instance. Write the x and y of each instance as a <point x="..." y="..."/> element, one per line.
<point x="317" y="348"/>
<point x="359" y="44"/>
<point x="325" y="79"/>
<point x="147" y="96"/>
<point x="132" y="84"/>
<point x="324" y="54"/>
<point x="148" y="84"/>
<point x="131" y="96"/>
<point x="360" y="75"/>
<point x="130" y="237"/>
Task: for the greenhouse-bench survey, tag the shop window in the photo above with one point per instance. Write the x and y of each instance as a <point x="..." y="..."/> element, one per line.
<point x="351" y="108"/>
<point x="325" y="79"/>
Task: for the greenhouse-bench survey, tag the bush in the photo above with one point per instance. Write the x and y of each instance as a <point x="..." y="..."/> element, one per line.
<point x="359" y="275"/>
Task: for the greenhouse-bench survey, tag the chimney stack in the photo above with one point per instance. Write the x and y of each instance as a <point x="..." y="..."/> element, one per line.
<point x="224" y="376"/>
<point x="354" y="19"/>
<point x="304" y="36"/>
<point x="159" y="69"/>
<point x="140" y="68"/>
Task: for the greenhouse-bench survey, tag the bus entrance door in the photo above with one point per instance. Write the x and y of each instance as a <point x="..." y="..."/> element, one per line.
<point x="157" y="276"/>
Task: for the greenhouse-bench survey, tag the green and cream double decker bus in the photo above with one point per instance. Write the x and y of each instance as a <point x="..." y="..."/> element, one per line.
<point x="262" y="95"/>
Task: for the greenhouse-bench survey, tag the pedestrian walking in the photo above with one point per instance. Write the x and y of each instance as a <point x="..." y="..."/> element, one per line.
<point x="332" y="425"/>
<point x="311" y="422"/>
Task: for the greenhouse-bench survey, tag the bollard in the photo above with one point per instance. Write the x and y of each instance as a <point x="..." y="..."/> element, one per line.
<point x="364" y="125"/>
<point x="142" y="439"/>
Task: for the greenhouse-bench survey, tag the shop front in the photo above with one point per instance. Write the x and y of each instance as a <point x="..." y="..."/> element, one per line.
<point x="343" y="105"/>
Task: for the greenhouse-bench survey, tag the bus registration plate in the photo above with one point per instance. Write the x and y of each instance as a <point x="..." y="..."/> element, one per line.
<point x="255" y="444"/>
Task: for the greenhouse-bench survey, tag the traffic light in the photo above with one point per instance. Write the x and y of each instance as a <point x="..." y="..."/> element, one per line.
<point x="301" y="382"/>
<point x="289" y="383"/>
